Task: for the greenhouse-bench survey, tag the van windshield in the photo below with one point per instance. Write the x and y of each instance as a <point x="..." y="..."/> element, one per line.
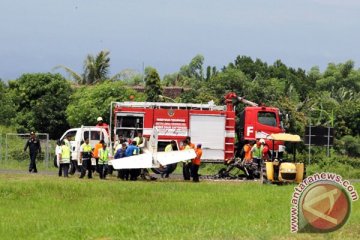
<point x="71" y="134"/>
<point x="95" y="135"/>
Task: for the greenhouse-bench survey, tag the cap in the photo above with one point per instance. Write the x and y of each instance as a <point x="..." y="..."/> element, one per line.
<point x="99" y="119"/>
<point x="262" y="141"/>
<point x="198" y="145"/>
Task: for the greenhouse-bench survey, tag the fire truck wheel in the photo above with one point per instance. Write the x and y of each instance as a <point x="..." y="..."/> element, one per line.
<point x="171" y="168"/>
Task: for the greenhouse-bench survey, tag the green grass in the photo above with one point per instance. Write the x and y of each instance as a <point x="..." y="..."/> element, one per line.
<point x="48" y="207"/>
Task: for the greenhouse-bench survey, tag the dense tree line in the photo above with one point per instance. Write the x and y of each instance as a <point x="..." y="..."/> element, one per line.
<point x="48" y="102"/>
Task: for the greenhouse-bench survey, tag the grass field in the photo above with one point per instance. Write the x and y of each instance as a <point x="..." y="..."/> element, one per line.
<point x="47" y="207"/>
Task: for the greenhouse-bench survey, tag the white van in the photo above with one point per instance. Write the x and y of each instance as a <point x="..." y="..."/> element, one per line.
<point x="77" y="135"/>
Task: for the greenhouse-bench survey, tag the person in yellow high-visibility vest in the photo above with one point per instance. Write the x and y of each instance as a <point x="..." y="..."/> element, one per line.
<point x="170" y="147"/>
<point x="140" y="140"/>
<point x="257" y="150"/>
<point x="104" y="155"/>
<point x="85" y="158"/>
<point x="64" y="158"/>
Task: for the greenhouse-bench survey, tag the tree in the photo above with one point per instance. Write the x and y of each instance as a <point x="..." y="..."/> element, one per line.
<point x="297" y="120"/>
<point x="229" y="80"/>
<point x="130" y="77"/>
<point x="348" y="118"/>
<point x="96" y="69"/>
<point x="153" y="88"/>
<point x="340" y="75"/>
<point x="40" y="101"/>
<point x="194" y="69"/>
<point x="171" y="79"/>
<point x="250" y="68"/>
<point x="89" y="102"/>
<point x="7" y="110"/>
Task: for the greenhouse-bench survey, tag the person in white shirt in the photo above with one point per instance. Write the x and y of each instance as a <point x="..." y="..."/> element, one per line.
<point x="58" y="153"/>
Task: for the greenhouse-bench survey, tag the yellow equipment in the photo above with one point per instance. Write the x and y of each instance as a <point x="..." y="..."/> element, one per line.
<point x="284" y="172"/>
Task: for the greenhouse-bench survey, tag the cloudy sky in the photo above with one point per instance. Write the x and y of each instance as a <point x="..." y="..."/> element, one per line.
<point x="36" y="35"/>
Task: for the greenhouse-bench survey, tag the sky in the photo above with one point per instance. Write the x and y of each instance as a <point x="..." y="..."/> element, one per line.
<point x="37" y="35"/>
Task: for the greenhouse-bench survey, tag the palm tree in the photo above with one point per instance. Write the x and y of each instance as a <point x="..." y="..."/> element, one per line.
<point x="96" y="69"/>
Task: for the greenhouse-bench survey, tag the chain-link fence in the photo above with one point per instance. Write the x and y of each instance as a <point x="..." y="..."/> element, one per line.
<point x="13" y="155"/>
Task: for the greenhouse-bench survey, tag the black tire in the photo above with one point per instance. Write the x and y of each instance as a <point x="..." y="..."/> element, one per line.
<point x="171" y="169"/>
<point x="71" y="167"/>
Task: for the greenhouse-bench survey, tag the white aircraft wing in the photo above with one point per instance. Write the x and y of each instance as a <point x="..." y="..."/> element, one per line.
<point x="136" y="161"/>
<point x="165" y="158"/>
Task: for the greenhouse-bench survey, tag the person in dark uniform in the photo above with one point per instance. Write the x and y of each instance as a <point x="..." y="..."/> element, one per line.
<point x="85" y="156"/>
<point x="187" y="163"/>
<point x="120" y="153"/>
<point x="34" y="147"/>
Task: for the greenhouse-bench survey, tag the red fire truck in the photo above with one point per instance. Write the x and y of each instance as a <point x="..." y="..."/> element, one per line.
<point x="215" y="127"/>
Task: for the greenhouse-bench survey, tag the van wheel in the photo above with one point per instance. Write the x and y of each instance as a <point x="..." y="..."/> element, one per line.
<point x="161" y="170"/>
<point x="71" y="169"/>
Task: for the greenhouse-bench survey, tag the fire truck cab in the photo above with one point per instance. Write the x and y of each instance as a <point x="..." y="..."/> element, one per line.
<point x="256" y="122"/>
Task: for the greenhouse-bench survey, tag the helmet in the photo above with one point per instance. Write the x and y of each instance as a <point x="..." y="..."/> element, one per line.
<point x="262" y="141"/>
<point x="99" y="119"/>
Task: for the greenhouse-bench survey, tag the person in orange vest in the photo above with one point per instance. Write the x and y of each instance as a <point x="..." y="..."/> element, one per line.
<point x="196" y="163"/>
<point x="97" y="147"/>
<point x="248" y="158"/>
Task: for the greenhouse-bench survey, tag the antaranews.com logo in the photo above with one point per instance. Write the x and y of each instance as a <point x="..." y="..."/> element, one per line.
<point x="321" y="203"/>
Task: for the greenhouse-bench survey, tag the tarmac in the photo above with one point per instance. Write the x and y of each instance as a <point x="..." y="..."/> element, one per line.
<point x="172" y="176"/>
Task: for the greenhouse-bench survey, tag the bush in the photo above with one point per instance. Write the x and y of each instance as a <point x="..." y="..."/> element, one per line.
<point x="346" y="171"/>
<point x="349" y="145"/>
<point x="345" y="166"/>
